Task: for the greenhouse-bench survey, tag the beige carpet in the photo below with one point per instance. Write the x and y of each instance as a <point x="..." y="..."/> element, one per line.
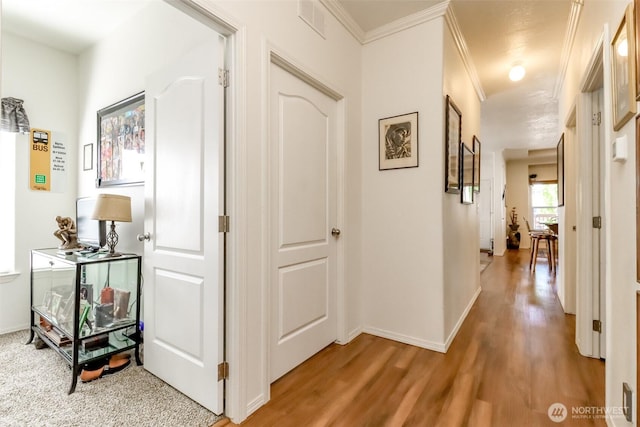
<point x="34" y="385"/>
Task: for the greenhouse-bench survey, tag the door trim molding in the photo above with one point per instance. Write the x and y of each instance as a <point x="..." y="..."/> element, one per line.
<point x="272" y="54"/>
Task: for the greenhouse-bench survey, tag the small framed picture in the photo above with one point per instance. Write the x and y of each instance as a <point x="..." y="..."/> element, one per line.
<point x="398" y="141"/>
<point x="624" y="70"/>
<point x="86" y="293"/>
<point x="56" y="300"/>
<point x="453" y="139"/>
<point x="466" y="174"/>
<point x="87" y="159"/>
<point x="477" y="151"/>
<point x="46" y="301"/>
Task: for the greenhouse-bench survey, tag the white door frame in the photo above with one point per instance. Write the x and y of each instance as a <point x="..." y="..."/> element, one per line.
<point x="588" y="292"/>
<point x="276" y="56"/>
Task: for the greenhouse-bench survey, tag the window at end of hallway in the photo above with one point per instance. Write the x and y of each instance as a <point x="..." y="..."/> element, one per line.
<point x="544" y="204"/>
<point x="8" y="198"/>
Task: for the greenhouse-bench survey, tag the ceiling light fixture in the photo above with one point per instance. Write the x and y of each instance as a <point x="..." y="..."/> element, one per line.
<point x="516" y="73"/>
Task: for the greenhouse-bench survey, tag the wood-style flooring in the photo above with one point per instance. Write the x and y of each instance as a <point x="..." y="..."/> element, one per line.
<point x="513" y="357"/>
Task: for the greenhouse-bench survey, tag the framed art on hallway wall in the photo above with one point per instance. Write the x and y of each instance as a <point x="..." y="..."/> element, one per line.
<point x="453" y="139"/>
<point x="623" y="73"/>
<point x="398" y="142"/>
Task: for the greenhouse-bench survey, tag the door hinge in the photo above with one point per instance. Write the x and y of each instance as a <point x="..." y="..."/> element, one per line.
<point x="597" y="222"/>
<point x="223" y="223"/>
<point x="597" y="326"/>
<point x="596" y="119"/>
<point x="223" y="77"/>
<point x="223" y="371"/>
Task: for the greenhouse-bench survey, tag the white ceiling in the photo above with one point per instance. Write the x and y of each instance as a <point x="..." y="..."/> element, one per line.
<point x="498" y="34"/>
<point x="69" y="25"/>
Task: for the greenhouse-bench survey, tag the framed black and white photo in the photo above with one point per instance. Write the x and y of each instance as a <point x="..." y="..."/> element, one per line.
<point x="398" y="142"/>
<point x="477" y="149"/>
<point x="624" y="70"/>
<point x="453" y="139"/>
<point x="121" y="142"/>
<point x="466" y="174"/>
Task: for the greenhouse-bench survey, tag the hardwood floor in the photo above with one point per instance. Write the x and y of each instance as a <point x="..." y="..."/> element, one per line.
<point x="513" y="357"/>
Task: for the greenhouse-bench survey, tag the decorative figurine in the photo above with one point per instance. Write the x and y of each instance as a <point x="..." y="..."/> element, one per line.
<point x="67" y="233"/>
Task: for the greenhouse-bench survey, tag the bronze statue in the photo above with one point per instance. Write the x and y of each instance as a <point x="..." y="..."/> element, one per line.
<point x="67" y="233"/>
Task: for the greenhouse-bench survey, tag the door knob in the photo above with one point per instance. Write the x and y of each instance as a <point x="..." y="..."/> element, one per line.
<point x="335" y="232"/>
<point x="143" y="237"/>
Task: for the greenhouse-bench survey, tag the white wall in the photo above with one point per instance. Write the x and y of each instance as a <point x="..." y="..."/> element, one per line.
<point x="500" y="209"/>
<point x="415" y="236"/>
<point x="403" y="271"/>
<point x="50" y="96"/>
<point x="619" y="215"/>
<point x="545" y="172"/>
<point x="461" y="236"/>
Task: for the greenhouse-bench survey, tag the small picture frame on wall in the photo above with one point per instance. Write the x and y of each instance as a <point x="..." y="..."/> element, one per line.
<point x="121" y="142"/>
<point x="87" y="159"/>
<point x="623" y="48"/>
<point x="453" y="139"/>
<point x="398" y="142"/>
<point x="477" y="151"/>
<point x="560" y="169"/>
<point x="466" y="174"/>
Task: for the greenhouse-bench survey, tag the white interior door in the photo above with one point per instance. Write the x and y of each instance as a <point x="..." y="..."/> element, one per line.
<point x="303" y="213"/>
<point x="183" y="259"/>
<point x="485" y="205"/>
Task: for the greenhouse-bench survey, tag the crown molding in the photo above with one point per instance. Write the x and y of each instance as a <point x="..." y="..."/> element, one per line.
<point x="452" y="23"/>
<point x="343" y="17"/>
<point x="407" y="22"/>
<point x="569" y="38"/>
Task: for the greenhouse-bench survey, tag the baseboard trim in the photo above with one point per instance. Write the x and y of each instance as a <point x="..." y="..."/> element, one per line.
<point x="461" y="320"/>
<point x="406" y="339"/>
<point x="255" y="404"/>
<point x="15" y="328"/>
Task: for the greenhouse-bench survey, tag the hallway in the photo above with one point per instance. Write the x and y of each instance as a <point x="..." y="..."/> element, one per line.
<point x="513" y="357"/>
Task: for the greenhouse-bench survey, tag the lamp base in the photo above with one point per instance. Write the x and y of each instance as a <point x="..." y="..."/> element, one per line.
<point x="112" y="241"/>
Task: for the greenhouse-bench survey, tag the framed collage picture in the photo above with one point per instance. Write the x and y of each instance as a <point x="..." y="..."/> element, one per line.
<point x="121" y="142"/>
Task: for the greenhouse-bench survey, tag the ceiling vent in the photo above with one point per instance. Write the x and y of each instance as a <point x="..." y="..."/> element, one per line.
<point x="311" y="13"/>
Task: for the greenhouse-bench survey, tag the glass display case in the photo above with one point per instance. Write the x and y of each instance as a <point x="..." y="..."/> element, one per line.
<point x="85" y="306"/>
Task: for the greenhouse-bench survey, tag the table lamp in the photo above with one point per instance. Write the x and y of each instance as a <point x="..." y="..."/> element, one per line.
<point x="112" y="207"/>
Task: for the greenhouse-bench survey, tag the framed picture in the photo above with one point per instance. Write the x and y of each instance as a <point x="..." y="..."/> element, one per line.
<point x="623" y="46"/>
<point x="560" y="169"/>
<point x="477" y="149"/>
<point x="398" y="142"/>
<point x="86" y="293"/>
<point x="466" y="174"/>
<point x="46" y="301"/>
<point x="87" y="158"/>
<point x="453" y="139"/>
<point x="56" y="300"/>
<point x="121" y="143"/>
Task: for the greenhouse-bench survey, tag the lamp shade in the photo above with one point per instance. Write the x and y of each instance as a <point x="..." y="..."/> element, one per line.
<point x="112" y="207"/>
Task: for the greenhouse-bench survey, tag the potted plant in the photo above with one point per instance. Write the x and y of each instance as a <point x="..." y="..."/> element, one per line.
<point x="513" y="240"/>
